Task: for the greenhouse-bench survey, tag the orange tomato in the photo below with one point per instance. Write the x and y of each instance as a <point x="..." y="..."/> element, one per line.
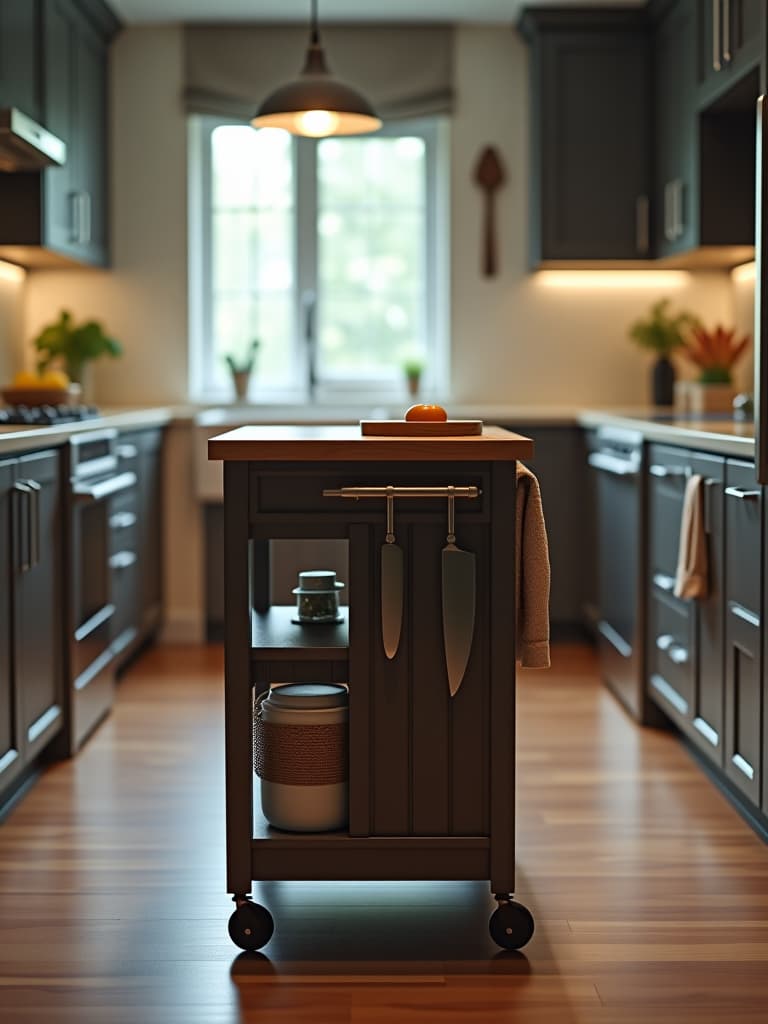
<point x="426" y="412"/>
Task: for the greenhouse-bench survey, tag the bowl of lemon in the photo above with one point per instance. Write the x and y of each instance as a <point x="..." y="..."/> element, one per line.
<point x="50" y="388"/>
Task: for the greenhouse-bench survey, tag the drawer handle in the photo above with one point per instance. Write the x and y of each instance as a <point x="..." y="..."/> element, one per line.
<point x="122" y="560"/>
<point x="674" y="651"/>
<point x="663" y="471"/>
<point x="614" y="464"/>
<point x="664" y="582"/>
<point x="742" y="493"/>
<point x="127" y="451"/>
<point x="122" y="520"/>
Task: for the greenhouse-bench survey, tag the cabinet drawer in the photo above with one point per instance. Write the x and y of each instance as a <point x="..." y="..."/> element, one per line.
<point x="668" y="471"/>
<point x="743" y="510"/>
<point x="299" y="489"/>
<point x="670" y="656"/>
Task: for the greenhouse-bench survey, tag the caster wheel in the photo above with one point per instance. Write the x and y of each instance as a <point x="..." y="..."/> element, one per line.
<point x="511" y="925"/>
<point x="251" y="926"/>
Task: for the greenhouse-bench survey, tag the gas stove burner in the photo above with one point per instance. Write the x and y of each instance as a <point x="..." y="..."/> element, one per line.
<point x="45" y="415"/>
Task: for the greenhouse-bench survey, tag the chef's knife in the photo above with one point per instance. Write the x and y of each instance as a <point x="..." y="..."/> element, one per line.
<point x="458" y="603"/>
<point x="391" y="584"/>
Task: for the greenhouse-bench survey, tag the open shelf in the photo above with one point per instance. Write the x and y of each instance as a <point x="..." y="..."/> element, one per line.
<point x="277" y="855"/>
<point x="274" y="637"/>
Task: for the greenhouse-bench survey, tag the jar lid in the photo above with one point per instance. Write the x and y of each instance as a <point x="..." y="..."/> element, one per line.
<point x="315" y="580"/>
<point x="307" y="696"/>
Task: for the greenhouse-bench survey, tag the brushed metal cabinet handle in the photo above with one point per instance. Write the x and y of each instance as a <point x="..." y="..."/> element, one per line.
<point x="716" y="63"/>
<point x="34" y="522"/>
<point x="668" y="234"/>
<point x="23" y="550"/>
<point x="742" y="493"/>
<point x="727" y="55"/>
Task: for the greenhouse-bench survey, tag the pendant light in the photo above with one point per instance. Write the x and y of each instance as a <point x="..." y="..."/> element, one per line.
<point x="316" y="104"/>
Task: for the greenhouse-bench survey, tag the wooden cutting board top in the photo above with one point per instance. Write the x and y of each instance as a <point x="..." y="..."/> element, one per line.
<point x="348" y="444"/>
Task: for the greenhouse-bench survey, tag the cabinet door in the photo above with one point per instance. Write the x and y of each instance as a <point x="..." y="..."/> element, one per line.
<point x="10" y="738"/>
<point x="709" y="695"/>
<point x="676" y="182"/>
<point x="59" y="228"/>
<point x="731" y="34"/>
<point x="743" y="686"/>
<point x="19" y="56"/>
<point x="591" y="120"/>
<point x="90" y="103"/>
<point x="38" y="612"/>
<point x="75" y="97"/>
<point x="670" y="620"/>
<point x="150" y="528"/>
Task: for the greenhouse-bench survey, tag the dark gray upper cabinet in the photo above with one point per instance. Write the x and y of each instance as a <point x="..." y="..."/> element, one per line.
<point x="591" y="135"/>
<point x="76" y="97"/>
<point x="730" y="42"/>
<point x="31" y="614"/>
<point x="676" y="182"/>
<point x="19" y="58"/>
<point x="62" y="211"/>
<point x="705" y="159"/>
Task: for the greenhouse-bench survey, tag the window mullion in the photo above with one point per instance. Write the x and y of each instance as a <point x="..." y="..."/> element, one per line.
<point x="306" y="298"/>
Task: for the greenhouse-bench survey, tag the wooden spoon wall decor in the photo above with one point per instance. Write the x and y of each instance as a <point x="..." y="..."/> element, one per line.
<point x="489" y="175"/>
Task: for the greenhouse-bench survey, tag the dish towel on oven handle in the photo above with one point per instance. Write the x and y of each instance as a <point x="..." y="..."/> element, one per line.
<point x="533" y="573"/>
<point x="692" y="577"/>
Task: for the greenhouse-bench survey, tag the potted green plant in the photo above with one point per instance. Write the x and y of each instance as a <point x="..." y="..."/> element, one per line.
<point x="72" y="346"/>
<point x="413" y="367"/>
<point x="241" y="369"/>
<point x="662" y="333"/>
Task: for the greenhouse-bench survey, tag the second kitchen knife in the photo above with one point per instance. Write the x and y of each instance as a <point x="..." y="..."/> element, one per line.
<point x="391" y="584"/>
<point x="458" y="603"/>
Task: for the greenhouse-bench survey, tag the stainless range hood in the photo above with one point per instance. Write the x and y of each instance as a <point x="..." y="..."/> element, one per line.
<point x="27" y="146"/>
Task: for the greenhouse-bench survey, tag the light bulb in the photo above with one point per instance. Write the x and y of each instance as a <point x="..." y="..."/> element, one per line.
<point x="317" y="123"/>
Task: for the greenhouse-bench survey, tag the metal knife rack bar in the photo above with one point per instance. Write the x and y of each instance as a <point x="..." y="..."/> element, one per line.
<point x="403" y="492"/>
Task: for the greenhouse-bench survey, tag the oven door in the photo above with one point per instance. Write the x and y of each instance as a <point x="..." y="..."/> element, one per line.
<point x="92" y="603"/>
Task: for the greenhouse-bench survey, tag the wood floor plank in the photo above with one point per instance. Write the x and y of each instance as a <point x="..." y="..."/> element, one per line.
<point x="650" y="893"/>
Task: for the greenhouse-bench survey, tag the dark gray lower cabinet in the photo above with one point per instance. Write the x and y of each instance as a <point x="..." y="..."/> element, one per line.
<point x="685" y="638"/>
<point x="136" y="543"/>
<point x="743" y="676"/>
<point x="31" y="638"/>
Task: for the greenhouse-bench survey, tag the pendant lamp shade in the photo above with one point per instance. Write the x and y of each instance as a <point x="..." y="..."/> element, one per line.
<point x="316" y="104"/>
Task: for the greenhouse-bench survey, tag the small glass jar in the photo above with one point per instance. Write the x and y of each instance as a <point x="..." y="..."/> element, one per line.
<point x="317" y="597"/>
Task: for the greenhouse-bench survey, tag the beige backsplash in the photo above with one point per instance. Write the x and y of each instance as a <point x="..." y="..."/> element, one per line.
<point x="12" y="281"/>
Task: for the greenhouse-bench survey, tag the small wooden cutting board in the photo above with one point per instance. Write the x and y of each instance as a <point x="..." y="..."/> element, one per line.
<point x="421" y="428"/>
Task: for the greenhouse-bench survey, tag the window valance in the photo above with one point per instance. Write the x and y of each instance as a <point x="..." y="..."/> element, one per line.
<point x="404" y="71"/>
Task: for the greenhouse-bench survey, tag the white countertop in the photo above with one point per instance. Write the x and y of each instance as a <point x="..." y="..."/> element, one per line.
<point x="17" y="438"/>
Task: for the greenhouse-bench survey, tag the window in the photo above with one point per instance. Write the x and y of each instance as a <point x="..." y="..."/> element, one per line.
<point x="328" y="251"/>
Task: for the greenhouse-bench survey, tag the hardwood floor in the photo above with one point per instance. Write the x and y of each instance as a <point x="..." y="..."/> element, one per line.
<point x="650" y="893"/>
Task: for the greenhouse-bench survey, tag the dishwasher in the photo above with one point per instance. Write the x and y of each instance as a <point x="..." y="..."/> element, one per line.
<point x="617" y="458"/>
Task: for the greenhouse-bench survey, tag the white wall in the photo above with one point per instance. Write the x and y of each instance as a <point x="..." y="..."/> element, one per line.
<point x="12" y="284"/>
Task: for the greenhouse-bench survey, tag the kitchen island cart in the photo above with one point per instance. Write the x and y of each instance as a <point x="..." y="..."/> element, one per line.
<point x="431" y="771"/>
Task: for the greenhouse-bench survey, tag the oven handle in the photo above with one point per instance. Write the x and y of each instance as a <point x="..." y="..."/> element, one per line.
<point x="613" y="464"/>
<point x="105" y="488"/>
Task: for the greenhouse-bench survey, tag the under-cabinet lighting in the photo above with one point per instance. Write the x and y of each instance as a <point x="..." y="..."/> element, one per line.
<point x="745" y="274"/>
<point x="618" y="279"/>
<point x="10" y="272"/>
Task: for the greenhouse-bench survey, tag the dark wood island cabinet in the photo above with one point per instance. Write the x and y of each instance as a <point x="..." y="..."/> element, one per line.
<point x="431" y="777"/>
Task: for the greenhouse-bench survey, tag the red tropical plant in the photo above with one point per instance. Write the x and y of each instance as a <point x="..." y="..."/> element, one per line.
<point x="714" y="352"/>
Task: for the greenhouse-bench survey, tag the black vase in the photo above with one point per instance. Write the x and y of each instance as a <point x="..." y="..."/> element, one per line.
<point x="663" y="382"/>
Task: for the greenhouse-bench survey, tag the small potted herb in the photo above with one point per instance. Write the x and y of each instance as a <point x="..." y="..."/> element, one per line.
<point x="413" y="368"/>
<point x="241" y="370"/>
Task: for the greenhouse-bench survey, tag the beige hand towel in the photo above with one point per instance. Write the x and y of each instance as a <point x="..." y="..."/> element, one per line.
<point x="692" y="579"/>
<point x="532" y="573"/>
